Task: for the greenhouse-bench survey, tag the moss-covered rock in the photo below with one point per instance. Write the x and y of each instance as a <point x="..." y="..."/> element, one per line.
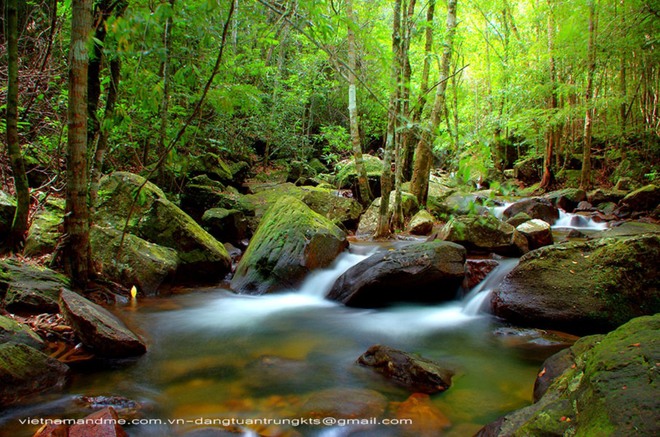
<point x="291" y="241"/>
<point x="46" y="229"/>
<point x="582" y="287"/>
<point x="484" y="234"/>
<point x="143" y="264"/>
<point x="7" y="211"/>
<point x="421" y="223"/>
<point x="347" y="175"/>
<point x="601" y="386"/>
<point x="159" y="221"/>
<point x="29" y="289"/>
<point x="211" y="165"/>
<point x="519" y="219"/>
<point x="26" y="371"/>
<point x="12" y="331"/>
<point x="529" y="170"/>
<point x="645" y="199"/>
<point x="425" y="272"/>
<point x="369" y="220"/>
<point x="600" y="195"/>
<point x="229" y="225"/>
<point x="567" y="199"/>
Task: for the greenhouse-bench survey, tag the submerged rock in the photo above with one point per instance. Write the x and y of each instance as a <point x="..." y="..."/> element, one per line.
<point x="291" y="241"/>
<point x="415" y="373"/>
<point x="344" y="403"/>
<point x="98" y="329"/>
<point x="427" y="419"/>
<point x="485" y="234"/>
<point x="103" y="423"/>
<point x="425" y="272"/>
<point x="601" y="386"/>
<point x="582" y="287"/>
<point x="30" y="289"/>
<point x="26" y="371"/>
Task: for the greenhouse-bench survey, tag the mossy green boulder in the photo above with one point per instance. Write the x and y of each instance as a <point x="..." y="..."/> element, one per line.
<point x="582" y="287"/>
<point x="347" y="173"/>
<point x="46" y="229"/>
<point x="644" y="199"/>
<point x="603" y="385"/>
<point x="369" y="220"/>
<point x="25" y="371"/>
<point x="211" y="165"/>
<point x="12" y="331"/>
<point x="291" y="241"/>
<point x="567" y="199"/>
<point x="140" y="263"/>
<point x="159" y="221"/>
<point x="484" y="234"/>
<point x="421" y="223"/>
<point x="28" y="289"/>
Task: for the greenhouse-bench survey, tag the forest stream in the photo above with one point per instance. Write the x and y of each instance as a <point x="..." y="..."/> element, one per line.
<point x="217" y="355"/>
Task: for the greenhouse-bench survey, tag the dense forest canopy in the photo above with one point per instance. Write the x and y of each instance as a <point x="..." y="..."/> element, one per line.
<point x="523" y="78"/>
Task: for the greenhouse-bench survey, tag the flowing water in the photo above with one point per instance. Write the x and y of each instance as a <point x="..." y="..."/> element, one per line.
<point x="213" y="354"/>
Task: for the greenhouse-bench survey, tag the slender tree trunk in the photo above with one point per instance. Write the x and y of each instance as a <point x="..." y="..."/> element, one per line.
<point x="585" y="176"/>
<point x="423" y="152"/>
<point x="363" y="182"/>
<point x="76" y="220"/>
<point x="19" y="225"/>
<point x="165" y="101"/>
<point x="102" y="11"/>
<point x="547" y="179"/>
<point x="383" y="229"/>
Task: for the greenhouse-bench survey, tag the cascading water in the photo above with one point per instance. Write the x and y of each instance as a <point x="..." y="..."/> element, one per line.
<point x="475" y="300"/>
<point x="575" y="221"/>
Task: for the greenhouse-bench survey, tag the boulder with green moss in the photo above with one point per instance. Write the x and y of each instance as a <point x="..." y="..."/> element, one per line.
<point x="211" y="165"/>
<point x="159" y="221"/>
<point x="528" y="170"/>
<point x="567" y="199"/>
<point x="484" y="234"/>
<point x="603" y="385"/>
<point x="582" y="287"/>
<point x="347" y="176"/>
<point x="140" y="263"/>
<point x="28" y="289"/>
<point x="7" y="211"/>
<point x="46" y="228"/>
<point x="12" y="331"/>
<point x="425" y="272"/>
<point x="369" y="220"/>
<point x="25" y="371"/>
<point x="519" y="219"/>
<point x="421" y="223"/>
<point x="644" y="199"/>
<point x="228" y="225"/>
<point x="291" y="241"/>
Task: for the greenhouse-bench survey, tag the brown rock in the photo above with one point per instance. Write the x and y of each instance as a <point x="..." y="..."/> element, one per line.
<point x="476" y="271"/>
<point x="345" y="403"/>
<point x="427" y="419"/>
<point x="103" y="423"/>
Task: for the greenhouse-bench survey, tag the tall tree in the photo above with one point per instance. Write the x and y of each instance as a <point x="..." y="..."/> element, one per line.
<point x="553" y="132"/>
<point x="77" y="257"/>
<point x="363" y="182"/>
<point x="20" y="223"/>
<point x="585" y="176"/>
<point x="423" y="151"/>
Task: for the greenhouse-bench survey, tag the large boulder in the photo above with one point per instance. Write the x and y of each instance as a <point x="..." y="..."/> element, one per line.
<point x="601" y="386"/>
<point x="538" y="233"/>
<point x="536" y="208"/>
<point x="291" y="241"/>
<point x="425" y="272"/>
<point x="26" y="371"/>
<point x="140" y="263"/>
<point x="645" y="199"/>
<point x="369" y="220"/>
<point x="210" y="165"/>
<point x="228" y="225"/>
<point x="567" y="199"/>
<point x="29" y="289"/>
<point x="421" y="223"/>
<point x="98" y="329"/>
<point x="46" y="229"/>
<point x="582" y="287"/>
<point x="417" y="374"/>
<point x="485" y="234"/>
<point x="529" y="170"/>
<point x="343" y="211"/>
<point x="12" y="331"/>
<point x="347" y="174"/>
<point x="159" y="221"/>
<point x="600" y="195"/>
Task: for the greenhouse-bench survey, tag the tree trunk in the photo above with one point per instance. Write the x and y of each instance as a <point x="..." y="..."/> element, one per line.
<point x="585" y="176"/>
<point x="19" y="225"/>
<point x="363" y="182"/>
<point x="550" y="145"/>
<point x="76" y="220"/>
<point x="165" y="101"/>
<point x="383" y="229"/>
<point x="423" y="152"/>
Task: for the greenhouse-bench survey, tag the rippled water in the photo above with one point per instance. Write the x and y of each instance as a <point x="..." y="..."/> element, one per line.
<point x="213" y="354"/>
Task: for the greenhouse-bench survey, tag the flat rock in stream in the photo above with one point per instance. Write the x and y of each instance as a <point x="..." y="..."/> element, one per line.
<point x="98" y="329"/>
<point x="425" y="272"/>
<point x="415" y="373"/>
<point x="29" y="289"/>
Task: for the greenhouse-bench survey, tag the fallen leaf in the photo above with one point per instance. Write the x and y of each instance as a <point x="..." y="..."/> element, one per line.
<point x="636" y="345"/>
<point x="542" y="372"/>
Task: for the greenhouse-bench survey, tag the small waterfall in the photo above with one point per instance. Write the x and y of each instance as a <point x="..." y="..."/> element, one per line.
<point x="575" y="221"/>
<point x="477" y="297"/>
<point x="319" y="283"/>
